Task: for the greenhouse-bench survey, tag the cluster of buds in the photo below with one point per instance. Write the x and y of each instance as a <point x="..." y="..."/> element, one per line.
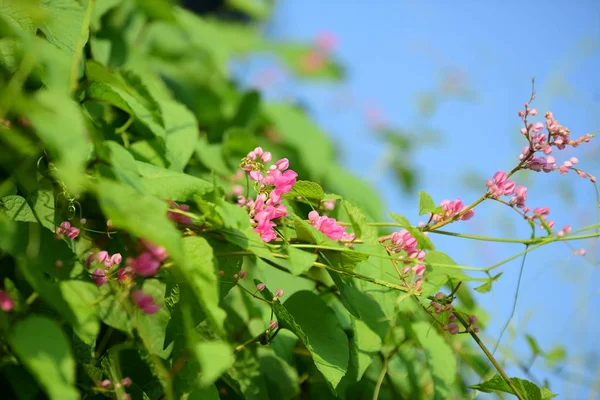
<point x="105" y="262"/>
<point x="125" y="382"/>
<point x="406" y="246"/>
<point x="451" y="209"/>
<point x="65" y="228"/>
<point x="329" y="227"/>
<point x="271" y="184"/>
<point x="557" y="136"/>
<point x="453" y="327"/>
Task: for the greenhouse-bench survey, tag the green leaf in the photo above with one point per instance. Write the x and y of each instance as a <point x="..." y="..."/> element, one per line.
<point x="160" y="10"/>
<point x="17" y="209"/>
<point x="129" y="102"/>
<point x="215" y="357"/>
<point x="533" y="344"/>
<point x="152" y="328"/>
<point x="18" y="15"/>
<point x="305" y="314"/>
<point x="59" y="123"/>
<point x="529" y="390"/>
<point x="49" y="360"/>
<point x="182" y="133"/>
<point x="199" y="272"/>
<point x="281" y="378"/>
<point x="211" y="156"/>
<point x="486" y="287"/>
<point x="171" y="185"/>
<point x="424" y="242"/>
<point x="359" y="224"/>
<point x="81" y="297"/>
<point x="439" y="357"/>
<point x="306" y="189"/>
<point x="426" y="203"/>
<point x="300" y="261"/>
<point x="142" y="215"/>
<point x="207" y="393"/>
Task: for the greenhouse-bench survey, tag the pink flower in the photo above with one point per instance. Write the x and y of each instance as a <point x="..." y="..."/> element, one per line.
<point x="283" y="164"/>
<point x="179" y="218"/>
<point x="520" y="196"/>
<point x="145" y="265"/>
<point x="73" y="233"/>
<point x="329" y="227"/>
<point x="115" y="259"/>
<point x="452" y="208"/>
<point x="538" y="126"/>
<point x="6" y="302"/>
<point x="329" y="204"/>
<point x="279" y="293"/>
<point x="158" y="252"/>
<point x="273" y="325"/>
<point x="99" y="277"/>
<point x="63" y="228"/>
<point x="124" y="275"/>
<point x="266" y="157"/>
<point x="541" y="210"/>
<point x="500" y="185"/>
<point x="102" y="256"/>
<point x="260" y="287"/>
<point x="144" y="301"/>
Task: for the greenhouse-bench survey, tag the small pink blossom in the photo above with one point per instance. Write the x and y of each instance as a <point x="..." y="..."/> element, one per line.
<point x="260" y="287"/>
<point x="179" y="218"/>
<point x="541" y="210"/>
<point x="6" y="302"/>
<point x="279" y="293"/>
<point x="144" y="301"/>
<point x="283" y="164"/>
<point x="329" y="204"/>
<point x="145" y="265"/>
<point x="273" y="325"/>
<point x="99" y="277"/>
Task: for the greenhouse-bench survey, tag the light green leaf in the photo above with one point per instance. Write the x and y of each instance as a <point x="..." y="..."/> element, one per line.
<point x="300" y="261"/>
<point x="486" y="287"/>
<point x="142" y="215"/>
<point x="171" y="185"/>
<point x="18" y="14"/>
<point x="81" y="297"/>
<point x="152" y="328"/>
<point x="426" y="203"/>
<point x="282" y="379"/>
<point x="215" y="357"/>
<point x="359" y="224"/>
<point x="439" y="357"/>
<point x="199" y="271"/>
<point x="306" y="189"/>
<point x="58" y="122"/>
<point x="529" y="390"/>
<point x="211" y="156"/>
<point x="182" y="133"/>
<point x="48" y="357"/>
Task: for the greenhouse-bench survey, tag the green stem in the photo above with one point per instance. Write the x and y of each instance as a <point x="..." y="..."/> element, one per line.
<point x="490" y="357"/>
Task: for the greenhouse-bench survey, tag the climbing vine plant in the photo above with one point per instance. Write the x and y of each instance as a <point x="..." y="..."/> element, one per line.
<point x="166" y="234"/>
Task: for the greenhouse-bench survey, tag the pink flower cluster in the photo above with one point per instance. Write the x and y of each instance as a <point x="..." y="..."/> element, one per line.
<point x="405" y="244"/>
<point x="107" y="261"/>
<point x="66" y="228"/>
<point x="500" y="185"/>
<point x="329" y="227"/>
<point x="450" y="209"/>
<point x="144" y="302"/>
<point x="179" y="218"/>
<point x="558" y="136"/>
<point x="148" y="263"/>
<point x="271" y="184"/>
<point x="6" y="302"/>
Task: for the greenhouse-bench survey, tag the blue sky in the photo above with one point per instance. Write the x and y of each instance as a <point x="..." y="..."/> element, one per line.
<point x="393" y="51"/>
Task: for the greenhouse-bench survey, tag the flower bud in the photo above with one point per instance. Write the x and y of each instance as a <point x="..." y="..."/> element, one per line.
<point x="260" y="287"/>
